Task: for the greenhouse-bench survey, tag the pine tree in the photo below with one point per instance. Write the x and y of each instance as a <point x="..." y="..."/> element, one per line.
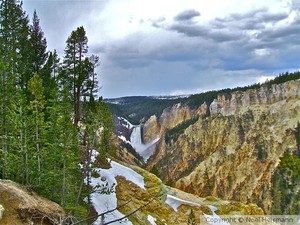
<point x="36" y="109"/>
<point x="38" y="45"/>
<point x="78" y="68"/>
<point x="50" y="80"/>
<point x="14" y="31"/>
<point x="70" y="152"/>
<point x="40" y="102"/>
<point x="13" y="41"/>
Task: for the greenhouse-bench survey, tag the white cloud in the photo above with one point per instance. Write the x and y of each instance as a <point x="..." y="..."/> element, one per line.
<point x="262" y="52"/>
<point x="145" y="47"/>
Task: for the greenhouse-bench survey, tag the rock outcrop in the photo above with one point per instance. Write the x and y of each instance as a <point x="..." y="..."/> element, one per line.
<point x="25" y="207"/>
<point x="234" y="152"/>
<point x="169" y="205"/>
<point x="170" y="118"/>
<point x="266" y="95"/>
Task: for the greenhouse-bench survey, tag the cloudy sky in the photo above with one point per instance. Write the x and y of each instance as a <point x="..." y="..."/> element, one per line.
<point x="167" y="47"/>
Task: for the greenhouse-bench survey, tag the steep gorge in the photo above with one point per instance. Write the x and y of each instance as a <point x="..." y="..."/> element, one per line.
<point x="234" y="152"/>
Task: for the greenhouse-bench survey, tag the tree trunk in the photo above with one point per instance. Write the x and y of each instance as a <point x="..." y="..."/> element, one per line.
<point x="37" y="136"/>
<point x="77" y="107"/>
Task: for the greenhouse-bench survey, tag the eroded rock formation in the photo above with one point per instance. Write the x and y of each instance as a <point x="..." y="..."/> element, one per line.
<point x="234" y="152"/>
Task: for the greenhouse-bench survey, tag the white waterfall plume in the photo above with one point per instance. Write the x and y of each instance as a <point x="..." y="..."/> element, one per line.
<point x="144" y="150"/>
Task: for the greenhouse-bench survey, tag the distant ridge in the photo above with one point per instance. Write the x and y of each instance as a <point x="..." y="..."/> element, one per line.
<point x="137" y="109"/>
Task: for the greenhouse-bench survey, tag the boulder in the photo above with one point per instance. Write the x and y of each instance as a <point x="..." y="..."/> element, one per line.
<point x="23" y="206"/>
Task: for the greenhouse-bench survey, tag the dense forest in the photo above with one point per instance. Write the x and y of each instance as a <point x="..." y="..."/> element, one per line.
<point x="49" y="112"/>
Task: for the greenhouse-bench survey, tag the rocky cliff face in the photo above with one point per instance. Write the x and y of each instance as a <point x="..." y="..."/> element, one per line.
<point x="234" y="152"/>
<point x="170" y="118"/>
<point x="19" y="206"/>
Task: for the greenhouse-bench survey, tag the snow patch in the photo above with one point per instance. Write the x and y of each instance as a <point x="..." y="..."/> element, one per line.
<point x="175" y="202"/>
<point x="94" y="155"/>
<point x="124" y="139"/>
<point x="104" y="196"/>
<point x="125" y="123"/>
<point x="214" y="219"/>
<point x="120" y="170"/>
<point x="151" y="220"/>
<point x="170" y="97"/>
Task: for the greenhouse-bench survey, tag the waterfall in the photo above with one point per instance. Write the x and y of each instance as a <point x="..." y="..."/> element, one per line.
<point x="136" y="136"/>
<point x="145" y="150"/>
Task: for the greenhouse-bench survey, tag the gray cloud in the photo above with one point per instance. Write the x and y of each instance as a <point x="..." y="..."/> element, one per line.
<point x="60" y="17"/>
<point x="156" y="22"/>
<point x="254" y="20"/>
<point x="286" y="34"/>
<point x="187" y="15"/>
<point x="181" y="56"/>
<point x="221" y="53"/>
<point x="190" y="30"/>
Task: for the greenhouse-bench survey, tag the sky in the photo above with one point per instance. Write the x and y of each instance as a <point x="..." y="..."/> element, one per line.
<point x="167" y="47"/>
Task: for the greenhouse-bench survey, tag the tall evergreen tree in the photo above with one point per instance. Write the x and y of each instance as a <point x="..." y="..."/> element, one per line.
<point x="37" y="124"/>
<point x="40" y="102"/>
<point x="38" y="44"/>
<point x="78" y="68"/>
<point x="14" y="32"/>
<point x="50" y="79"/>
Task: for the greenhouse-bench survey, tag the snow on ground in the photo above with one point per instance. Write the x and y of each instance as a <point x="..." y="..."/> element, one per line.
<point x="125" y="123"/>
<point x="104" y="197"/>
<point x="124" y="139"/>
<point x="94" y="155"/>
<point x="151" y="220"/>
<point x="170" y="97"/>
<point x="175" y="202"/>
<point x="120" y="170"/>
<point x="214" y="219"/>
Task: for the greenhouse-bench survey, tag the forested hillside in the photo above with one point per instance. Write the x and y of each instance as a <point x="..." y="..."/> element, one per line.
<point x="137" y="109"/>
<point x="49" y="113"/>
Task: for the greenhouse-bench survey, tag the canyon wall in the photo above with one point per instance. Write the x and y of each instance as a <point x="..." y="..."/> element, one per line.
<point x="170" y="118"/>
<point x="233" y="152"/>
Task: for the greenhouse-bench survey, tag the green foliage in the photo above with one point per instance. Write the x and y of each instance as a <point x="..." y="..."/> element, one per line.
<point x="38" y="43"/>
<point x="41" y="144"/>
<point x="173" y="134"/>
<point x="284" y="77"/>
<point x="155" y="171"/>
<point x="78" y="69"/>
<point x="139" y="108"/>
<point x="286" y="183"/>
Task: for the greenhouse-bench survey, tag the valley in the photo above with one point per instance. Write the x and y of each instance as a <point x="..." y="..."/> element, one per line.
<point x="228" y="145"/>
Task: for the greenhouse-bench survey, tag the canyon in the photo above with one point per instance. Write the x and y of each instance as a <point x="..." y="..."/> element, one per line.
<point x="229" y="146"/>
